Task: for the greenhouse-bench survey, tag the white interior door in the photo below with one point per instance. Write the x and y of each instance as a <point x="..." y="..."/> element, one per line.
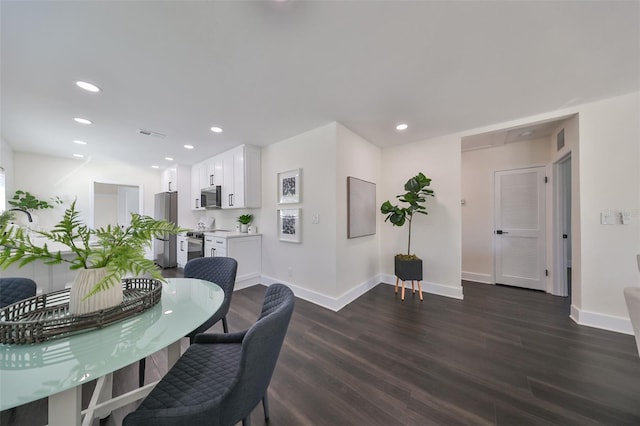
<point x="128" y="202"/>
<point x="520" y="227"/>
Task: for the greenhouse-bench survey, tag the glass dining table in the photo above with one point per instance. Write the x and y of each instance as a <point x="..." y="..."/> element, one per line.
<point x="56" y="369"/>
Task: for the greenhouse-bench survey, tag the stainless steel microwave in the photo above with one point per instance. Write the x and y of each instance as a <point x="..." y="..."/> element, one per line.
<point x="211" y="197"/>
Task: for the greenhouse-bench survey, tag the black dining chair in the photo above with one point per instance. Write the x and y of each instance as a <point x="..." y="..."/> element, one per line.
<point x="221" y="378"/>
<point x="219" y="270"/>
<point x="15" y="289"/>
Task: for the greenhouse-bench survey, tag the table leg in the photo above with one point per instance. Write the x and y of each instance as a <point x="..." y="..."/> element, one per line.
<point x="174" y="351"/>
<point x="65" y="407"/>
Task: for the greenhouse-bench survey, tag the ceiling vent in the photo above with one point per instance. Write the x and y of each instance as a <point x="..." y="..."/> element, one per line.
<point x="150" y="133"/>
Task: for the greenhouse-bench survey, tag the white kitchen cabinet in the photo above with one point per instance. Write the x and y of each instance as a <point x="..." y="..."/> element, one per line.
<point x="214" y="246"/>
<point x="213" y="175"/>
<point x="182" y="248"/>
<point x="198" y="177"/>
<point x="169" y="180"/>
<point x="247" y="251"/>
<point x="237" y="171"/>
<point x="241" y="186"/>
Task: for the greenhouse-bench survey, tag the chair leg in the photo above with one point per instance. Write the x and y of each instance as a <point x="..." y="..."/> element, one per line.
<point x="225" y="327"/>
<point x="402" y="293"/>
<point x="413" y="288"/>
<point x="420" y="290"/>
<point x="141" y="367"/>
<point x="265" y="406"/>
<point x="397" y="279"/>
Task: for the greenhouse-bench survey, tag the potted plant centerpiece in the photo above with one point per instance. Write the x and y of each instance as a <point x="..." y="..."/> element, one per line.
<point x="102" y="256"/>
<point x="408" y="267"/>
<point x="245" y="220"/>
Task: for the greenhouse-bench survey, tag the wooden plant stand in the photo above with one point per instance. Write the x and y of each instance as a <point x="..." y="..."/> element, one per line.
<point x="413" y="289"/>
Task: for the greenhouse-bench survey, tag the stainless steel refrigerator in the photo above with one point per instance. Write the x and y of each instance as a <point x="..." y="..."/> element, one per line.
<point x="164" y="249"/>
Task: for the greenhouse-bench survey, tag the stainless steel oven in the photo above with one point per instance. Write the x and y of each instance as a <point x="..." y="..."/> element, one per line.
<point x="195" y="244"/>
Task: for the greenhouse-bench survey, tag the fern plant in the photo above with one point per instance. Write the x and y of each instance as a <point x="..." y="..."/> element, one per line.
<point x="120" y="250"/>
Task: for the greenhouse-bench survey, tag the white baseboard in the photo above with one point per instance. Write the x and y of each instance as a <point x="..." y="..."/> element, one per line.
<point x="477" y="277"/>
<point x="429" y="287"/>
<point x="602" y="321"/>
<point x="246" y="281"/>
<point x="332" y="303"/>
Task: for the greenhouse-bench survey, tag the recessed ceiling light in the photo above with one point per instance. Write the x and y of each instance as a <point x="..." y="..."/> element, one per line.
<point x="80" y="142"/>
<point x="526" y="133"/>
<point x="78" y="155"/>
<point x="83" y="120"/>
<point x="88" y="86"/>
<point x="155" y="167"/>
<point x="215" y="129"/>
<point x="402" y="126"/>
<point x="188" y="146"/>
<point x="168" y="158"/>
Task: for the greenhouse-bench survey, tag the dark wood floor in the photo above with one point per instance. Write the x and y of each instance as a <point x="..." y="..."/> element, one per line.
<point x="503" y="356"/>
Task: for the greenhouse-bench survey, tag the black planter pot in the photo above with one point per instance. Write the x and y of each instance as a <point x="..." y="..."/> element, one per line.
<point x="408" y="270"/>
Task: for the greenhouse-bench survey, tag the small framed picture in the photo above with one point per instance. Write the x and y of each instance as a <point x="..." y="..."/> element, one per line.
<point x="289" y="225"/>
<point x="289" y="187"/>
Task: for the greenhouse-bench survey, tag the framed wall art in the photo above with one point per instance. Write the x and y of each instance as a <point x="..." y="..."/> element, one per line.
<point x="361" y="208"/>
<point x="289" y="226"/>
<point x="289" y="187"/>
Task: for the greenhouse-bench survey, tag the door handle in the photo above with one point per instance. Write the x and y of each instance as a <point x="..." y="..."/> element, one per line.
<point x="500" y="232"/>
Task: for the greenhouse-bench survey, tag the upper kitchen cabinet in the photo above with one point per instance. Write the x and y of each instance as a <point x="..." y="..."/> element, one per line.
<point x="241" y="169"/>
<point x="169" y="180"/>
<point x="237" y="171"/>
<point x="199" y="180"/>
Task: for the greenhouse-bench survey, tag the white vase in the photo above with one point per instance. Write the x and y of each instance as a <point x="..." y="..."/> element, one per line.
<point x="84" y="283"/>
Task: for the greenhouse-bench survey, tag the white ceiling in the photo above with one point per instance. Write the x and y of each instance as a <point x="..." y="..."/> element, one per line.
<point x="266" y="71"/>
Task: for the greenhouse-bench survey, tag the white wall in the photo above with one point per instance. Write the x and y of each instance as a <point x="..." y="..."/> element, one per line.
<point x="6" y="162"/>
<point x="358" y="259"/>
<point x="312" y="263"/>
<point x="478" y="168"/>
<point x="436" y="238"/>
<point x="46" y="176"/>
<point x="609" y="179"/>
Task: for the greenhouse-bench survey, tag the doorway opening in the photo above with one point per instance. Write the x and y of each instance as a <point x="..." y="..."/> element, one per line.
<point x="113" y="203"/>
<point x="562" y="226"/>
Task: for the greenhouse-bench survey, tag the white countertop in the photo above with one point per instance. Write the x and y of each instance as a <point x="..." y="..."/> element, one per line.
<point x="229" y="234"/>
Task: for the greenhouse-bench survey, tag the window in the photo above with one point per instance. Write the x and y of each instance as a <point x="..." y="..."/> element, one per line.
<point x="3" y="195"/>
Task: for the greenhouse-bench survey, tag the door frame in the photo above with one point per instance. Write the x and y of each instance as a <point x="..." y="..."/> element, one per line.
<point x="560" y="186"/>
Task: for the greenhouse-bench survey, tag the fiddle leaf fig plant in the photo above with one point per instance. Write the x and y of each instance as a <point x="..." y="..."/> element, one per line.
<point x="414" y="198"/>
<point x="119" y="249"/>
